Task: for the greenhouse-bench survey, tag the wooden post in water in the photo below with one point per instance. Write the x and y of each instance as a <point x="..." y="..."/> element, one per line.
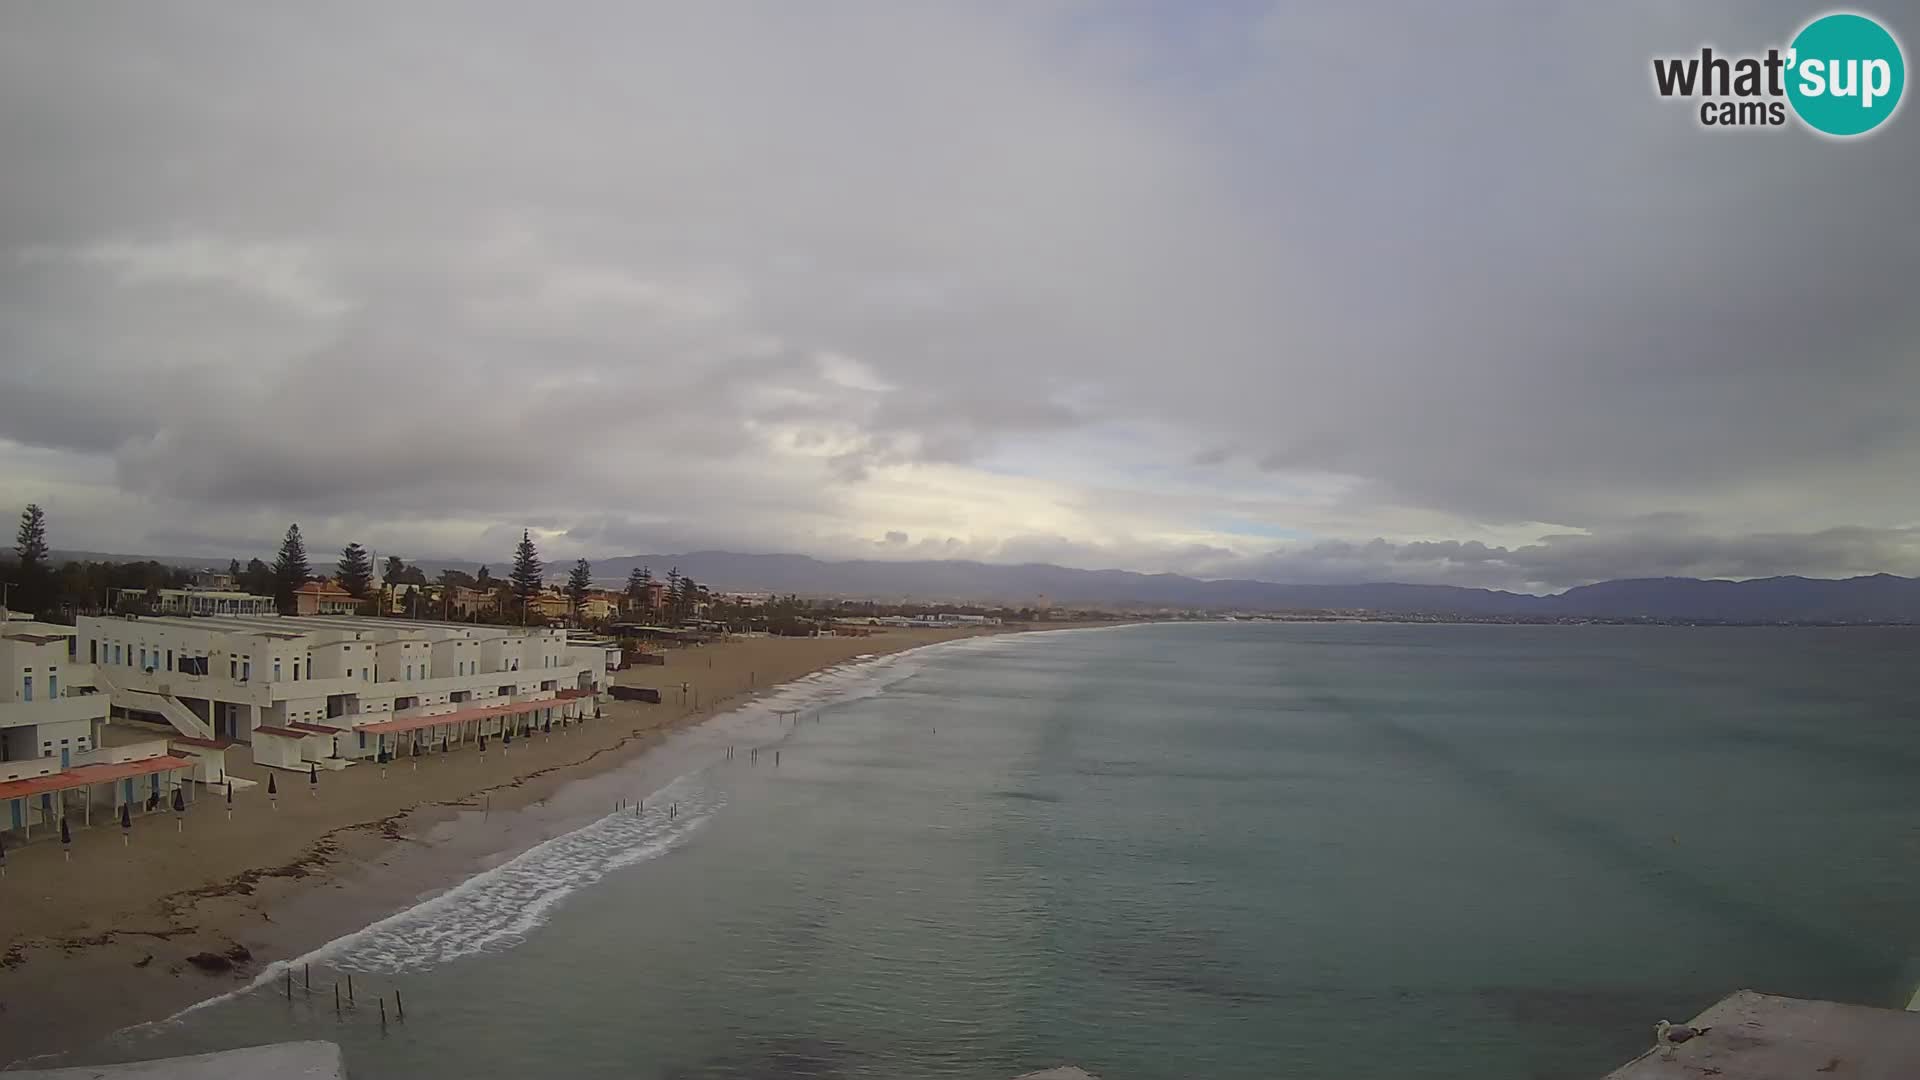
<point x="399" y="1006"/>
<point x="383" y="1014"/>
<point x="309" y="978"/>
<point x="349" y="987"/>
<point x="289" y="984"/>
<point x="336" y="1001"/>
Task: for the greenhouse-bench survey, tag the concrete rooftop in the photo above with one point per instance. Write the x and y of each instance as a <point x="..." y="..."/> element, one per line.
<point x="1759" y="1036"/>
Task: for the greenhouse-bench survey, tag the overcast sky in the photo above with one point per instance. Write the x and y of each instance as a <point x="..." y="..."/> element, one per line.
<point x="1339" y="292"/>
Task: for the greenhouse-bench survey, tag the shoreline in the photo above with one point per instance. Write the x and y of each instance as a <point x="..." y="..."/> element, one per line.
<point x="100" y="946"/>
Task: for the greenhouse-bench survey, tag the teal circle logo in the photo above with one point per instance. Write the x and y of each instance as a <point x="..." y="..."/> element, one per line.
<point x="1845" y="74"/>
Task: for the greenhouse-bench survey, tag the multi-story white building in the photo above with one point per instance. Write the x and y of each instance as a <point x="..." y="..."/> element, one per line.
<point x="324" y="676"/>
<point x="48" y="712"/>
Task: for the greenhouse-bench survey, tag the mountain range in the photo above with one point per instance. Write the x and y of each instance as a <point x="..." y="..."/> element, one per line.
<point x="1875" y="598"/>
<point x="1878" y="598"/>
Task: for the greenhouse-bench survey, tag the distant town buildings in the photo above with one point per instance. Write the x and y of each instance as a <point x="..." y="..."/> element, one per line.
<point x="324" y="598"/>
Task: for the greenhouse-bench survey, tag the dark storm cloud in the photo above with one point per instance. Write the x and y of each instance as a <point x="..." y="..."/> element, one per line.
<point x="660" y="277"/>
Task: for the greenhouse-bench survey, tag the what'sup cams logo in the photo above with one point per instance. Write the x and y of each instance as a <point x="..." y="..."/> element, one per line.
<point x="1842" y="75"/>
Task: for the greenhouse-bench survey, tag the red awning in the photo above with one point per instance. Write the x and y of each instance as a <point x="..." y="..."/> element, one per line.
<point x="459" y="716"/>
<point x="285" y="733"/>
<point x="88" y="775"/>
<point x="570" y="695"/>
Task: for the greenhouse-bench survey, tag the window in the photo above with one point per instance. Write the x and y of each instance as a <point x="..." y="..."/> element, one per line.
<point x="296" y="669"/>
<point x="169" y="659"/>
<point x="246" y="670"/>
<point x="409" y="672"/>
<point x="233" y="667"/>
<point x="116" y="654"/>
<point x="26" y="688"/>
<point x="143" y="659"/>
<point x="93" y="650"/>
<point x="53" y="685"/>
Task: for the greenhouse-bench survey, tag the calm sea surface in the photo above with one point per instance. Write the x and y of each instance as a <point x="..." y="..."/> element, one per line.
<point x="1226" y="850"/>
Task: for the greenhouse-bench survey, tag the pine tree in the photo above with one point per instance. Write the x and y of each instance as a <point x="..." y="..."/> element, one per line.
<point x="579" y="584"/>
<point x="290" y="569"/>
<point x="257" y="578"/>
<point x="31" y="544"/>
<point x="233" y="571"/>
<point x="526" y="576"/>
<point x="484" y="579"/>
<point x="689" y="595"/>
<point x="356" y="570"/>
<point x="33" y="578"/>
<point x="395" y="570"/>
<point x="672" y="599"/>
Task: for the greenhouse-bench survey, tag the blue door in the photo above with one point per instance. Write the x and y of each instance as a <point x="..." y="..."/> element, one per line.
<point x="126" y="790"/>
<point x="15" y="804"/>
<point x="66" y="757"/>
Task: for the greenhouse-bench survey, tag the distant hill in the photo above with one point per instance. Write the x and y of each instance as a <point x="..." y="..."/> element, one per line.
<point x="1881" y="598"/>
<point x="1878" y="598"/>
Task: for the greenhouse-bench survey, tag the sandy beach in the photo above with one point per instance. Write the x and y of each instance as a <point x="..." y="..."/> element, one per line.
<point x="105" y="941"/>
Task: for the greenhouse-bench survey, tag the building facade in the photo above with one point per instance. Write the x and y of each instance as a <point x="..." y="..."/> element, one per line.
<point x="225" y="678"/>
<point x="197" y="602"/>
<point x="49" y="712"/>
<point x="323" y="598"/>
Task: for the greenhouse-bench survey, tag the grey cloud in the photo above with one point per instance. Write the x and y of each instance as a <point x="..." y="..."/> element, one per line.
<point x="1558" y="562"/>
<point x="429" y="273"/>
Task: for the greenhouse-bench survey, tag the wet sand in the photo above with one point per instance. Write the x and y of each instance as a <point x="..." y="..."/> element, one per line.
<point x="111" y="938"/>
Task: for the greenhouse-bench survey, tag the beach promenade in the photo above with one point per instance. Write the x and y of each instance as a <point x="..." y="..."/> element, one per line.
<point x="120" y="932"/>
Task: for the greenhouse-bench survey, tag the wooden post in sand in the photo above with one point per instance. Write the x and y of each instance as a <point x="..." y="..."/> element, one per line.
<point x="349" y="988"/>
<point x="308" y="976"/>
<point x="336" y="1001"/>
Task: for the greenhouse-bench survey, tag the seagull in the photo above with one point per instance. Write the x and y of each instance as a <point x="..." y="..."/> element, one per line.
<point x="1670" y="1036"/>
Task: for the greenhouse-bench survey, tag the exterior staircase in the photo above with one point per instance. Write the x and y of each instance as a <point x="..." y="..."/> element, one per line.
<point x="181" y="718"/>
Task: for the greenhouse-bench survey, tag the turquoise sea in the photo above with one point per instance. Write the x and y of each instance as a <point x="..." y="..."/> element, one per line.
<point x="1208" y="850"/>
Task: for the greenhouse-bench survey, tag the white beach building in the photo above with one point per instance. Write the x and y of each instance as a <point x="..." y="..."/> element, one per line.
<point x="51" y="716"/>
<point x="311" y="688"/>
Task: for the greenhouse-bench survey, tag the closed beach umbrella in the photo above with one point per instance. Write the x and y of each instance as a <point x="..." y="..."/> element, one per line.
<point x="483" y="744"/>
<point x="507" y="739"/>
<point x="66" y="838"/>
<point x="179" y="807"/>
<point x="3" y="858"/>
<point x="313" y="780"/>
<point x="443" y="744"/>
<point x="126" y="824"/>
